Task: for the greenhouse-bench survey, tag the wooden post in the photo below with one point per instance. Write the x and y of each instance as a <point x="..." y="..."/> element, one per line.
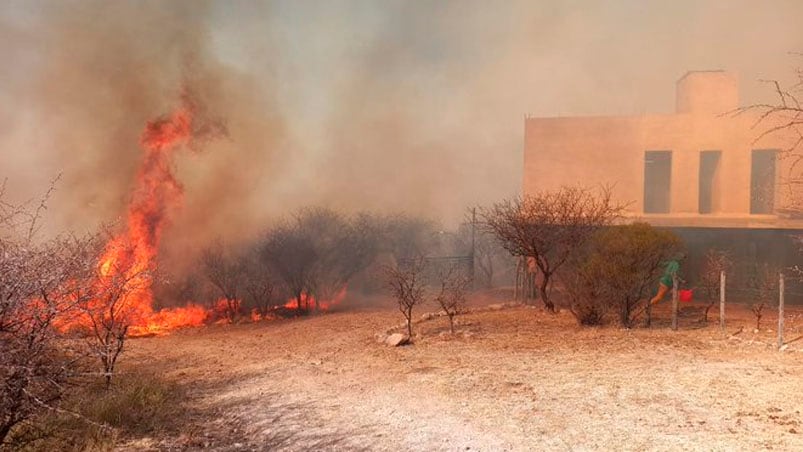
<point x="722" y="300"/>
<point x="473" y="247"/>
<point x="780" y="311"/>
<point x="675" y="302"/>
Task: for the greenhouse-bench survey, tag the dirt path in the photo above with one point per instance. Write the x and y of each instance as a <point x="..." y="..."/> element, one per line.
<point x="516" y="379"/>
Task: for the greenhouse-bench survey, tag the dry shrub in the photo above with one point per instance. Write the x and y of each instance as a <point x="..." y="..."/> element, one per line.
<point x="549" y="227"/>
<point x="715" y="262"/>
<point x="406" y="283"/>
<point x="42" y="282"/>
<point x="589" y="312"/>
<point x="582" y="292"/>
<point x="763" y="283"/>
<point x="453" y="284"/>
<point x="617" y="270"/>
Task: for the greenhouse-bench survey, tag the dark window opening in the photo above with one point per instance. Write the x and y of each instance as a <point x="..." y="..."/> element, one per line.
<point x="657" y="178"/>
<point x="709" y="186"/>
<point x="762" y="182"/>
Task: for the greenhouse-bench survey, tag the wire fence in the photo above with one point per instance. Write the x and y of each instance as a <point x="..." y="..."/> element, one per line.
<point x="748" y="282"/>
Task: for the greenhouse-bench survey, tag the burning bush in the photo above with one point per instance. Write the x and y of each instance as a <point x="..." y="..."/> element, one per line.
<point x="259" y="287"/>
<point x="316" y="254"/>
<point x="41" y="283"/>
<point x="227" y="273"/>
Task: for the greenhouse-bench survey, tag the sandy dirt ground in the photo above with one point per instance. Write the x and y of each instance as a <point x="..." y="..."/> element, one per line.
<point x="511" y="379"/>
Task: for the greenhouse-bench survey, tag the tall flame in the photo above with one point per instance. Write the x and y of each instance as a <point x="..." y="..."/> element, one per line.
<point x="130" y="255"/>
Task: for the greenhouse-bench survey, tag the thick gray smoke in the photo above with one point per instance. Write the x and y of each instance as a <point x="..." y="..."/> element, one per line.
<point x="393" y="105"/>
<point x="93" y="74"/>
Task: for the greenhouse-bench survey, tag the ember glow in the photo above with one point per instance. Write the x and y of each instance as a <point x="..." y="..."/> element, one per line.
<point x="310" y="302"/>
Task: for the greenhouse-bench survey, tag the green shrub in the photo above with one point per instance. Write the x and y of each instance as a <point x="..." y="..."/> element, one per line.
<point x="616" y="272"/>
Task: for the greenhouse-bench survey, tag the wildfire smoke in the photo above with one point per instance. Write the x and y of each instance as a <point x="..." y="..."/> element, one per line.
<point x="130" y="258"/>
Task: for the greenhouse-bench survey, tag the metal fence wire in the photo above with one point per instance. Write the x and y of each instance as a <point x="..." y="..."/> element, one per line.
<point x="747" y="282"/>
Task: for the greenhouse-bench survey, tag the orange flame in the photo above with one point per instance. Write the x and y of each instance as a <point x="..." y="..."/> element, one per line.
<point x="131" y="255"/>
<point x="313" y="303"/>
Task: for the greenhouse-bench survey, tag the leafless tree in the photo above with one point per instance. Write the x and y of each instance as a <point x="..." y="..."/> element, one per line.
<point x="259" y="284"/>
<point x="490" y="259"/>
<point x="451" y="297"/>
<point x="763" y="282"/>
<point x="407" y="285"/>
<point x="407" y="237"/>
<point x="319" y="251"/>
<point x="41" y="283"/>
<point x="549" y="226"/>
<point x="344" y="246"/>
<point x="227" y="273"/>
<point x="714" y="263"/>
<point x="114" y="305"/>
<point x="785" y="115"/>
<point x="783" y="119"/>
<point x="292" y="257"/>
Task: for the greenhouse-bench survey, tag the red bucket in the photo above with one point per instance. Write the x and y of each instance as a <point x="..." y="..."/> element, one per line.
<point x="685" y="295"/>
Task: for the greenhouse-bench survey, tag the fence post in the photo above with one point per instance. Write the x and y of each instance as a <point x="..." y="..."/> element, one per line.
<point x="780" y="310"/>
<point x="722" y="300"/>
<point x="675" y="302"/>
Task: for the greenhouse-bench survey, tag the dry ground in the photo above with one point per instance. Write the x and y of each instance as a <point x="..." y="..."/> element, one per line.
<point x="511" y="379"/>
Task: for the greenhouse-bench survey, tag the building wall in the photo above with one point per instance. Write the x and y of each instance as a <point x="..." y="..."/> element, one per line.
<point x="610" y="150"/>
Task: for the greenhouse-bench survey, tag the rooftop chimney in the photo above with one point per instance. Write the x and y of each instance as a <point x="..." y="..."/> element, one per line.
<point x="707" y="92"/>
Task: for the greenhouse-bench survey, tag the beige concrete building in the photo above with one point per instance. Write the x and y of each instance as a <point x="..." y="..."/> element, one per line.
<point x="702" y="166"/>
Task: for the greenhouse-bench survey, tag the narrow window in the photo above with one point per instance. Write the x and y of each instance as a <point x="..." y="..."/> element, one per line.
<point x="709" y="182"/>
<point x="762" y="182"/>
<point x="657" y="178"/>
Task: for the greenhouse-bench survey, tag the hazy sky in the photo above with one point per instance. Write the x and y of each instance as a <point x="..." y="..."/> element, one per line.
<point x="391" y="105"/>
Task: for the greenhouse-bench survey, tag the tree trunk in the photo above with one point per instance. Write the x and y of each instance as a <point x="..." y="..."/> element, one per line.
<point x="12" y="414"/>
<point x="409" y="318"/>
<point x="4" y="431"/>
<point x="451" y="323"/>
<point x="542" y="290"/>
<point x="624" y="315"/>
<point x="707" y="308"/>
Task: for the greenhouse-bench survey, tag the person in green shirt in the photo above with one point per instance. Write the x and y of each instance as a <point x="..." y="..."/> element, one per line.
<point x="665" y="283"/>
